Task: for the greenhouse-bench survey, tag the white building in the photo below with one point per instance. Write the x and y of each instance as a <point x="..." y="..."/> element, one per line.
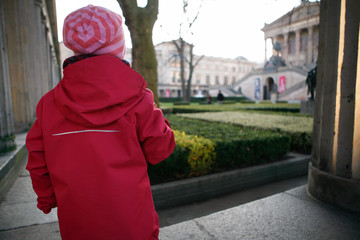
<point x="295" y="40"/>
<point x="210" y="75"/>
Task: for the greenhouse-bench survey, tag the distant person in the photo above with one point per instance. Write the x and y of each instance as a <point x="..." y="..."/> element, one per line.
<point x="220" y="97"/>
<point x="95" y="133"/>
<point x="209" y="100"/>
<point x="311" y="83"/>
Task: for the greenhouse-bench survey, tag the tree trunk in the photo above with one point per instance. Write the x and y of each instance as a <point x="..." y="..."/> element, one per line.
<point x="181" y="45"/>
<point x="140" y="22"/>
<point x="191" y="70"/>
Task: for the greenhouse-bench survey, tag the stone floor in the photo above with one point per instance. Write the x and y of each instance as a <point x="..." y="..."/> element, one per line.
<point x="281" y="210"/>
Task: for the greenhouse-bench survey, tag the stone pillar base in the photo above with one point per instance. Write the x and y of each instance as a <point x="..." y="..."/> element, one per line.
<point x="307" y="107"/>
<point x="337" y="191"/>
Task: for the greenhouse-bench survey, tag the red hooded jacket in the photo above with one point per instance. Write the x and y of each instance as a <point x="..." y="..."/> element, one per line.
<point x="89" y="148"/>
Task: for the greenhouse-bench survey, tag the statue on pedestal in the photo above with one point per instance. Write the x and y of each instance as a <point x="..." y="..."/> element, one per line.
<point x="311" y="82"/>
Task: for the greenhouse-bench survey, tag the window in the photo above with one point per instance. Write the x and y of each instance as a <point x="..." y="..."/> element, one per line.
<point x="292" y="43"/>
<point x="280" y="39"/>
<point x="173" y="77"/>
<point x="303" y="40"/>
<point x="208" y="79"/>
<point x="198" y="78"/>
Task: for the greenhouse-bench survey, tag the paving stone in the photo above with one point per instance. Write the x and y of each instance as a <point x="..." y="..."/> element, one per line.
<point x="49" y="231"/>
<point x="23" y="215"/>
<point x="281" y="216"/>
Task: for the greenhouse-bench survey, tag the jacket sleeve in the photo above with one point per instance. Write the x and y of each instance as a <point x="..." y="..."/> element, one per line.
<point x="154" y="131"/>
<point x="37" y="166"/>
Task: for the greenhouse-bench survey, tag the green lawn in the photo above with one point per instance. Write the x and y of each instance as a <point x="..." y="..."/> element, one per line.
<point x="287" y="123"/>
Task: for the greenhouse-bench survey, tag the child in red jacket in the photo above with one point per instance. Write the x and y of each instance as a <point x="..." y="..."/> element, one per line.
<point x="94" y="134"/>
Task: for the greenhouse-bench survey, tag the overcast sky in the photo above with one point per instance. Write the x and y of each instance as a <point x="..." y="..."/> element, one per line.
<point x="224" y="28"/>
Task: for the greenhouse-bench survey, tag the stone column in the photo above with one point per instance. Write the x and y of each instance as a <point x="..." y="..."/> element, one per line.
<point x="286" y="47"/>
<point x="310" y="50"/>
<point x="6" y="114"/>
<point x="334" y="171"/>
<point x="297" y="47"/>
<point x="265" y="60"/>
<point x="16" y="33"/>
<point x="33" y="68"/>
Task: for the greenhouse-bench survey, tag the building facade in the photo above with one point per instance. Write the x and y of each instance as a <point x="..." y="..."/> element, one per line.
<point x="210" y="74"/>
<point x="298" y="34"/>
<point x="294" y="37"/>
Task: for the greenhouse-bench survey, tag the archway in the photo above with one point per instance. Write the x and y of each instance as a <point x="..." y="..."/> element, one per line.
<point x="268" y="88"/>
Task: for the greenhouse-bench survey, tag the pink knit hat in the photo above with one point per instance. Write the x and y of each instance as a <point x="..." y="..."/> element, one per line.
<point x="94" y="30"/>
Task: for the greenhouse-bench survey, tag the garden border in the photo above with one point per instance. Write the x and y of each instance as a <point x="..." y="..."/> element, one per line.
<point x="197" y="189"/>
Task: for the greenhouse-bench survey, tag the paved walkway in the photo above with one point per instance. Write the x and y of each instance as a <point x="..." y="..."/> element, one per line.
<point x="286" y="215"/>
<point x="290" y="215"/>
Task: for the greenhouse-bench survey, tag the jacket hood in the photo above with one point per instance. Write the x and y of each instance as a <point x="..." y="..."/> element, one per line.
<point x="98" y="91"/>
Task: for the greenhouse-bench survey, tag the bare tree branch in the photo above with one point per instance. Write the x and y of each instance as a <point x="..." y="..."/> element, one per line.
<point x="182" y="47"/>
<point x="197" y="62"/>
<point x="197" y="14"/>
<point x="152" y="9"/>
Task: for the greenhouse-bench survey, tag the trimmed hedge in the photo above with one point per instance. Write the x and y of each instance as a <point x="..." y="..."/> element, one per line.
<point x="297" y="128"/>
<point x="201" y="99"/>
<point x="242" y="153"/>
<point x="192" y="156"/>
<point x="236" y="146"/>
<point x="275" y="109"/>
<point x="207" y="147"/>
<point x="181" y="103"/>
<point x="172" y="99"/>
<point x="300" y="142"/>
<point x="7" y="143"/>
<point x="278" y="108"/>
<point x="228" y="102"/>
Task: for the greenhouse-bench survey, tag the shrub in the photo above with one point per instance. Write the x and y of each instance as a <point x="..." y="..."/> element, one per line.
<point x="170" y="99"/>
<point x="181" y="103"/>
<point x="275" y="109"/>
<point x="200" y="99"/>
<point x="201" y="154"/>
<point x="228" y="102"/>
<point x="300" y="142"/>
<point x="173" y="168"/>
<point x="288" y="109"/>
<point x="7" y="143"/>
<point x="204" y="147"/>
<point x="297" y="128"/>
<point x="242" y="153"/>
<point x="193" y="156"/>
<point x="236" y="146"/>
